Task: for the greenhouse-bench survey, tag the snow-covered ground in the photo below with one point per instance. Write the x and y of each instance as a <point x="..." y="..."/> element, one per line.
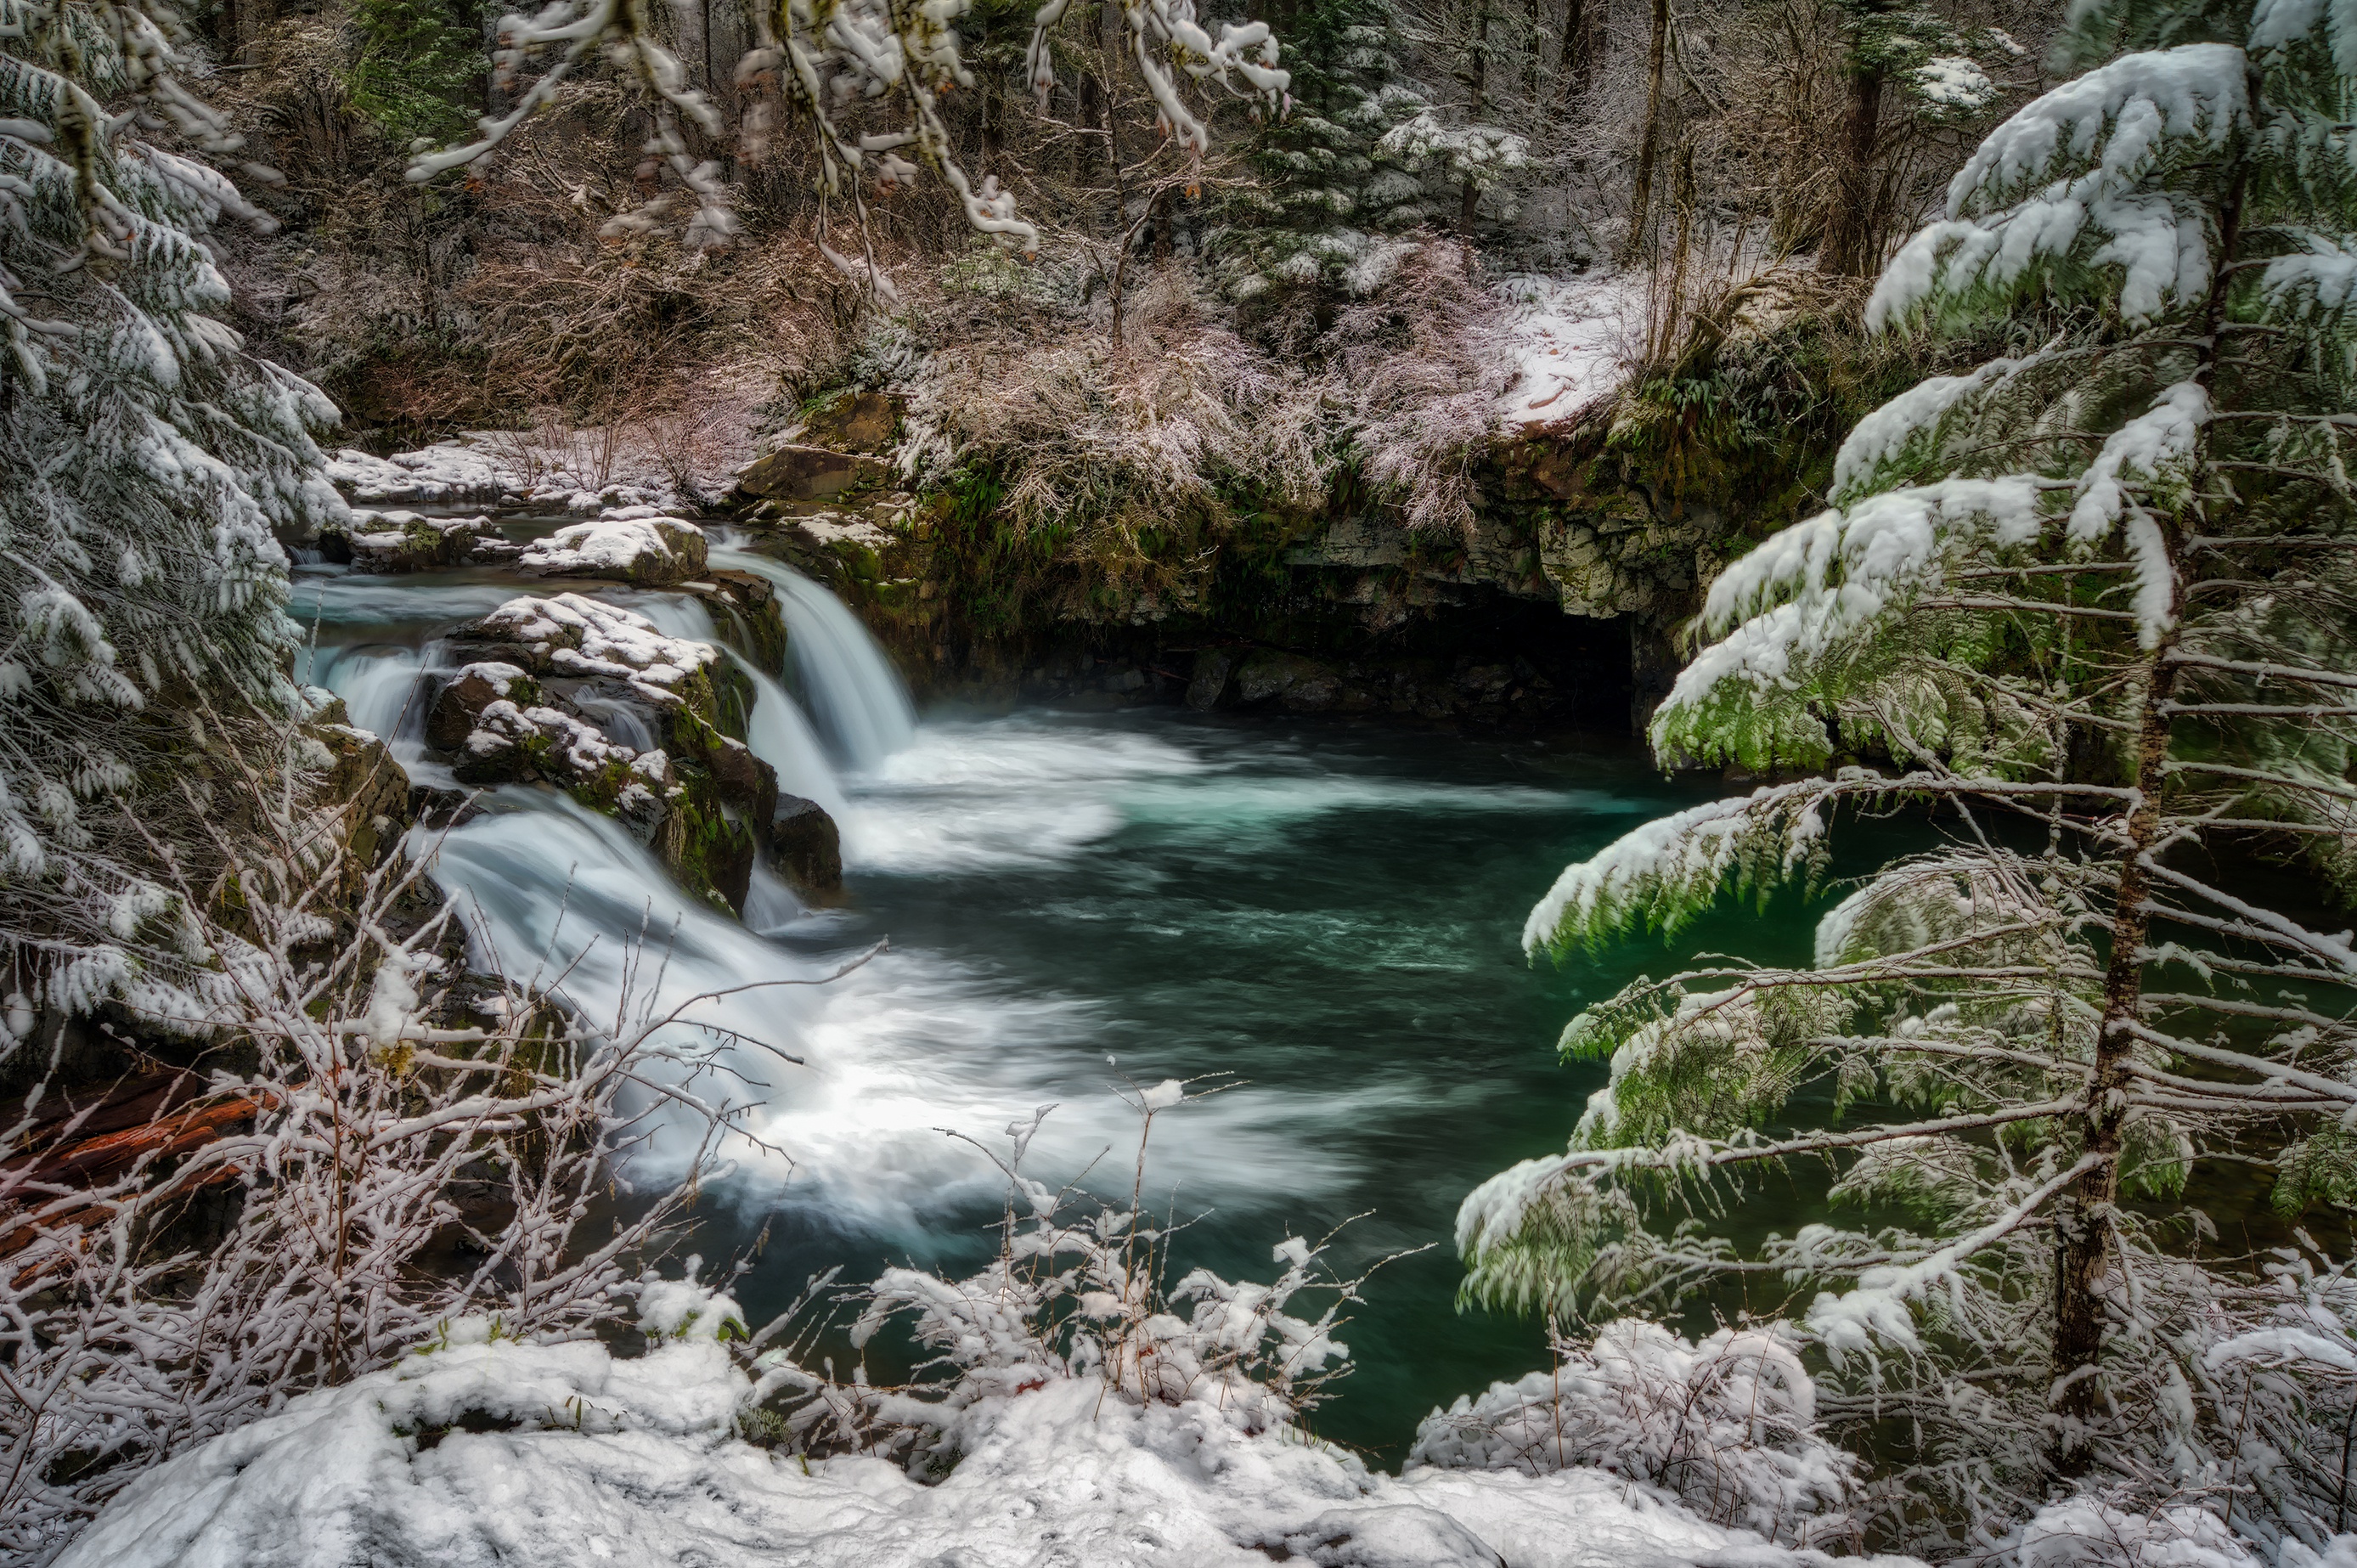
<point x="1568" y="340"/>
<point x="580" y="1457"/>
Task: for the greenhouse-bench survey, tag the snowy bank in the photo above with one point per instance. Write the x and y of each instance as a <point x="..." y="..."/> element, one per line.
<point x="482" y="1450"/>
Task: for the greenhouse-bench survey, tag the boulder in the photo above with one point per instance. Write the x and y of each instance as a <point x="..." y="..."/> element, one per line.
<point x="1213" y="679"/>
<point x="645" y="552"/>
<point x="458" y="708"/>
<point x="707" y="852"/>
<point x="809" y="473"/>
<point x="1293" y="682"/>
<point x="805" y="846"/>
<point x="855" y="422"/>
<point x="406" y="542"/>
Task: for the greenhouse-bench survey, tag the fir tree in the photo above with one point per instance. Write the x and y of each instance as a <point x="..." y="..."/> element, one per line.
<point x="2091" y="604"/>
<point x="1326" y="192"/>
<point x="149" y="466"/>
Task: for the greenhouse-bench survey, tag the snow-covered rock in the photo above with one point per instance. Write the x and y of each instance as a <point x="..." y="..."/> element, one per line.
<point x="649" y="551"/>
<point x="570" y="635"/>
<point x="407" y="542"/>
<point x="483" y="1451"/>
<point x="446" y="471"/>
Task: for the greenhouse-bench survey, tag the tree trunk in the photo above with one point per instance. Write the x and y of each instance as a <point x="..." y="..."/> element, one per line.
<point x="1476" y="79"/>
<point x="1641" y="200"/>
<point x="1854" y="230"/>
<point x="1579" y="57"/>
<point x="2083" y="1256"/>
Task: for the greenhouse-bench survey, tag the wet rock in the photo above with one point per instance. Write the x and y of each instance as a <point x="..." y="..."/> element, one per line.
<point x="752" y="599"/>
<point x="370" y="788"/>
<point x="1293" y="682"/>
<point x="459" y="706"/>
<point x="1213" y="679"/>
<point x="805" y="847"/>
<point x="393" y="541"/>
<point x="709" y="853"/>
<point x="746" y="784"/>
<point x="645" y="552"/>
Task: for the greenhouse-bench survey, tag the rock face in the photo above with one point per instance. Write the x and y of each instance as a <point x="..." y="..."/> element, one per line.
<point x="593" y="700"/>
<point x="371" y="787"/>
<point x="805" y="847"/>
<point x="810" y="474"/>
<point x="861" y="422"/>
<point x="646" y="552"/>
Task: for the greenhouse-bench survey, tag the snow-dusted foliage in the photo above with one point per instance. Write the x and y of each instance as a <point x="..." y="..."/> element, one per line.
<point x="1726" y="1426"/>
<point x="822" y="60"/>
<point x="2102" y="585"/>
<point x="373" y="1168"/>
<point x="1079" y="1291"/>
<point x="491" y="1446"/>
<point x="149" y="467"/>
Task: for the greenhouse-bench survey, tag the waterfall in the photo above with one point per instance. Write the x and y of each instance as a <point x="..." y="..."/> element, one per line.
<point x="378" y="683"/>
<point x="776" y="730"/>
<point x="857" y="698"/>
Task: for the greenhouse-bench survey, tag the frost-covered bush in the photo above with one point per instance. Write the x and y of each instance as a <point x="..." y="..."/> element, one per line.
<point x="149" y="466"/>
<point x="1728" y="1426"/>
<point x="1078" y="1293"/>
<point x="1118" y="454"/>
<point x="348" y="1165"/>
<point x="1419" y="361"/>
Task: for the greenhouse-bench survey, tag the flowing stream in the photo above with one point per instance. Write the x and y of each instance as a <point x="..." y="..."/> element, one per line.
<point x="1326" y="911"/>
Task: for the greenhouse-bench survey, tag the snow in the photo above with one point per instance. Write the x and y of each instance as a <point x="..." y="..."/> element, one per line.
<point x="1566" y="342"/>
<point x="614" y="545"/>
<point x="1953" y="81"/>
<point x="594" y="1457"/>
<point x="580" y="636"/>
<point x="1731" y="1418"/>
<point x="2016" y="201"/>
<point x="444" y="472"/>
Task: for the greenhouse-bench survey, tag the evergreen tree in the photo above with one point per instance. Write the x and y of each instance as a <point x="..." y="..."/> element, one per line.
<point x="148" y="467"/>
<point x="1326" y="193"/>
<point x="2090" y="605"/>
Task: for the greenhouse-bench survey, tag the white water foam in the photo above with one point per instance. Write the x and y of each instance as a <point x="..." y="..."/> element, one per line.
<point x="896" y="1052"/>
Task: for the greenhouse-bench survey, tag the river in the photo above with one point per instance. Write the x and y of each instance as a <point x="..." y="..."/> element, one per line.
<point x="1326" y="911"/>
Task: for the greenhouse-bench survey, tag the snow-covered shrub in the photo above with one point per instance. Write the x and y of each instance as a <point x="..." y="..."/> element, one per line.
<point x="1078" y="1293"/>
<point x="1728" y="1426"/>
<point x="373" y="1167"/>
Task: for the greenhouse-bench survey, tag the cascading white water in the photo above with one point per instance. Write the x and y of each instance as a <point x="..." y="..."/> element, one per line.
<point x="776" y="730"/>
<point x="859" y="702"/>
<point x="378" y="684"/>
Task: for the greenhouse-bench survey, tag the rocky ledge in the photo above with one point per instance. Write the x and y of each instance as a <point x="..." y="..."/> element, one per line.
<point x="649" y="729"/>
